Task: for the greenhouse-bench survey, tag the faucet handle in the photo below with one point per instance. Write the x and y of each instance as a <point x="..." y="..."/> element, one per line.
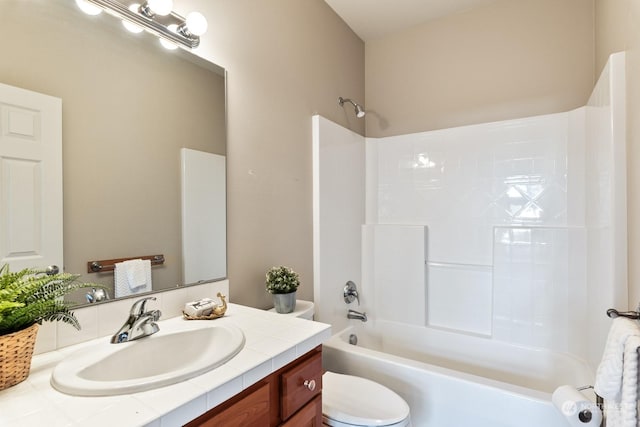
<point x="350" y="293"/>
<point x="138" y="307"/>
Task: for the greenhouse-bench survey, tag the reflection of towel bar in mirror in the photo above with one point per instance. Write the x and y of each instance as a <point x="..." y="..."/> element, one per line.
<point x="104" y="265"/>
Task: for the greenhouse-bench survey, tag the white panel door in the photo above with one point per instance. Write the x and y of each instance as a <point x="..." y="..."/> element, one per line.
<point x="204" y="216"/>
<point x="30" y="179"/>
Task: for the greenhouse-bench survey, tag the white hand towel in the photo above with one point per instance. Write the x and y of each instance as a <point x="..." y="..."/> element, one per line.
<point x="136" y="272"/>
<point x="617" y="375"/>
<point x="123" y="286"/>
<point x="120" y="281"/>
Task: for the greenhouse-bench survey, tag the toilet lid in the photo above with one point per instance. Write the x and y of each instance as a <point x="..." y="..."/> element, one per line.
<point x="359" y="401"/>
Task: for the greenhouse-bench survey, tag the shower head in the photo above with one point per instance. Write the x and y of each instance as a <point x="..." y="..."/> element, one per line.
<point x="359" y="110"/>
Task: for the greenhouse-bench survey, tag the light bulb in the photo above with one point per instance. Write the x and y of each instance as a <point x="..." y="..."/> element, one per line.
<point x="196" y="23"/>
<point x="130" y="25"/>
<point x="88" y="8"/>
<point x="167" y="44"/>
<point x="160" y="7"/>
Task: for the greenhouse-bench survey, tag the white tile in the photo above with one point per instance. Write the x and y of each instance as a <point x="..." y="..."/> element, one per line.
<point x="68" y="335"/>
<point x="47" y="338"/>
<point x="399" y="273"/>
<point x="249" y="359"/>
<point x="460" y="242"/>
<point x="112" y="316"/>
<point x="161" y="398"/>
<point x="224" y="392"/>
<point x="269" y="345"/>
<point x="306" y="346"/>
<point x="173" y="302"/>
<point x="531" y="286"/>
<point x="15" y="406"/>
<point x="254" y="375"/>
<point x="220" y="375"/>
<point x="185" y="413"/>
<point x="460" y="297"/>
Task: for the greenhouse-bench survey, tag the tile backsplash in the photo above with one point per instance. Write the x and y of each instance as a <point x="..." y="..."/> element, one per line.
<point x="104" y="319"/>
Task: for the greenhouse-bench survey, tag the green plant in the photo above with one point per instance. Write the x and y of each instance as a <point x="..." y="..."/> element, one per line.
<point x="31" y="296"/>
<point x="282" y="280"/>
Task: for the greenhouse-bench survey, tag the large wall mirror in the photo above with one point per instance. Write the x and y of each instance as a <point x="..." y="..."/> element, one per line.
<point x="129" y="107"/>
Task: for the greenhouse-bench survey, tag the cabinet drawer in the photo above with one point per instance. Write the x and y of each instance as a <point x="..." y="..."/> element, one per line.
<point x="300" y="384"/>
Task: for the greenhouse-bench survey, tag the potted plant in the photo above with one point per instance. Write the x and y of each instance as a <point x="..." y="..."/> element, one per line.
<point x="27" y="298"/>
<point x="282" y="282"/>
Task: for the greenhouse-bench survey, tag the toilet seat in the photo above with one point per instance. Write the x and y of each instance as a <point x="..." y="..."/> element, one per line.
<point x="348" y="400"/>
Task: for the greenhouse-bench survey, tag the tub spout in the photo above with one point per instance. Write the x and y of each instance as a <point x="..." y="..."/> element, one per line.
<point x="352" y="314"/>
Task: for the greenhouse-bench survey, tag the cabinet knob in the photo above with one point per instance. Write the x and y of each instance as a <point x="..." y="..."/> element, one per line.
<point x="310" y="384"/>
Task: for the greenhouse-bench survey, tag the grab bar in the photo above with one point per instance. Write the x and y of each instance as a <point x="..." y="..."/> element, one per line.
<point x="613" y="313"/>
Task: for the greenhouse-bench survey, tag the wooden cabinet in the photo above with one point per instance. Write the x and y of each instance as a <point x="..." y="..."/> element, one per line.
<point x="289" y="397"/>
<point x="309" y="416"/>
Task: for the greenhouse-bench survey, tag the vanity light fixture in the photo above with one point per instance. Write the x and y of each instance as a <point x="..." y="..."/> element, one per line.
<point x="156" y="17"/>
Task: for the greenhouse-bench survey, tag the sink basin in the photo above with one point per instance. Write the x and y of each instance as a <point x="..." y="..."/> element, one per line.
<point x="164" y="358"/>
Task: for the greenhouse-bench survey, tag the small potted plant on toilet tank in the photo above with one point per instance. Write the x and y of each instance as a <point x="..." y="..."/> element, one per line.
<point x="282" y="283"/>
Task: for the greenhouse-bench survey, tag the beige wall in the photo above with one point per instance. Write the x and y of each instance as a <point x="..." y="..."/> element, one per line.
<point x="633" y="148"/>
<point x="505" y="60"/>
<point x="286" y="60"/>
<point x="617" y="28"/>
<point x="611" y="28"/>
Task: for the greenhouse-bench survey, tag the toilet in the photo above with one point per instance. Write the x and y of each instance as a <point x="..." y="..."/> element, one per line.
<point x="351" y="401"/>
<point x="304" y="310"/>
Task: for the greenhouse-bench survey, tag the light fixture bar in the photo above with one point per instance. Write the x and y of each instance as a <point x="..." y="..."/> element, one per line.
<point x="122" y="11"/>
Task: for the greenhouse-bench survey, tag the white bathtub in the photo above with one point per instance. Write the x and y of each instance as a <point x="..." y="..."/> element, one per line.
<point x="453" y="380"/>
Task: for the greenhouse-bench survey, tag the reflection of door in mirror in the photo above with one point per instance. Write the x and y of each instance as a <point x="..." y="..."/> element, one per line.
<point x="30" y="179"/>
<point x="129" y="107"/>
<point x="203" y="215"/>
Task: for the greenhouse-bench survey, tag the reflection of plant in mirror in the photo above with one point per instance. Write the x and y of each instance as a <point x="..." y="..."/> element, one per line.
<point x="31" y="296"/>
<point x="282" y="280"/>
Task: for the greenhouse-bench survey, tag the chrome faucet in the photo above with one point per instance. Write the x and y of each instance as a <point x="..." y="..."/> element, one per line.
<point x="140" y="323"/>
<point x="352" y="314"/>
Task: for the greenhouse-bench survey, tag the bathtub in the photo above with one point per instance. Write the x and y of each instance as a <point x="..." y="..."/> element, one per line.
<point x="451" y="380"/>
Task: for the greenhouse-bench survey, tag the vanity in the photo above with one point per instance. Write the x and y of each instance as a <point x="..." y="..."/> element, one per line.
<point x="275" y="380"/>
<point x="289" y="397"/>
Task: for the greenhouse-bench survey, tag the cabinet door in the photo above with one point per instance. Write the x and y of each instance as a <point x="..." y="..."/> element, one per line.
<point x="251" y="411"/>
<point x="308" y="416"/>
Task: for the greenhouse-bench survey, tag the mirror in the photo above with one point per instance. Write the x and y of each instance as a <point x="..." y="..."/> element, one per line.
<point x="129" y="107"/>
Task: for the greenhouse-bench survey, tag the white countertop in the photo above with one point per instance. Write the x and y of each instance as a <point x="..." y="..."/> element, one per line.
<point x="272" y="341"/>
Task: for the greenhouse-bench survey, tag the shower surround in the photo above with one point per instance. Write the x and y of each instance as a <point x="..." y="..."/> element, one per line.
<point x="512" y="231"/>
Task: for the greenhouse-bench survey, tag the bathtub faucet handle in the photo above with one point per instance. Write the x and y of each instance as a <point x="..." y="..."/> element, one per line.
<point x="351" y="293"/>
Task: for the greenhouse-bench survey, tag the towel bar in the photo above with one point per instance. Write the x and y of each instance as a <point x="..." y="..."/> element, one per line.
<point x="104" y="265"/>
<point x="613" y="313"/>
